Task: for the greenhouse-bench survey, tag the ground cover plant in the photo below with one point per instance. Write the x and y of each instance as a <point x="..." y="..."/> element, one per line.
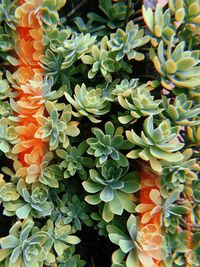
<point x="99" y="133"/>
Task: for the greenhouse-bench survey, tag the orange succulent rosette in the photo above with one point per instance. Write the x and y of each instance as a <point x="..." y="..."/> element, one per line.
<point x="29" y="13"/>
<point x="149" y="240"/>
<point x="28" y="83"/>
<point x="150" y="208"/>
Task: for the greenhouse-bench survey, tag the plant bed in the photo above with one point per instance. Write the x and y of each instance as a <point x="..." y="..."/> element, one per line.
<point x="99" y="133"/>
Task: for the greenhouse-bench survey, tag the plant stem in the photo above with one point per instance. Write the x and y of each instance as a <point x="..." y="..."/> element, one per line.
<point x="4" y="64"/>
<point x="138" y="19"/>
<point x="137" y="3"/>
<point x="135" y="13"/>
<point x="77" y="8"/>
<point x="144" y="76"/>
<point x="128" y="11"/>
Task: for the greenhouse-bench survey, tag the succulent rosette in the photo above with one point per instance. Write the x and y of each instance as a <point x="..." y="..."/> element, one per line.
<point x="99" y="133"/>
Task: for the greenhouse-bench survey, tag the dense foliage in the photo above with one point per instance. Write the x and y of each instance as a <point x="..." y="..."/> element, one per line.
<point x="99" y="133"/>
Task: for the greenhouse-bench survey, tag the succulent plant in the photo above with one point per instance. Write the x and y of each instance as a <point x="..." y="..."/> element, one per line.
<point x="50" y="15"/>
<point x="62" y="235"/>
<point x="156" y="144"/>
<point x="8" y="136"/>
<point x="125" y="88"/>
<point x="179" y="9"/>
<point x="139" y="246"/>
<point x="5" y="109"/>
<point x="159" y="23"/>
<point x="68" y="258"/>
<point x="51" y="175"/>
<point x="126" y="243"/>
<point x="115" y="13"/>
<point x="127" y="43"/>
<point x="101" y="60"/>
<point x="65" y="66"/>
<point x="52" y="59"/>
<point x="172" y="212"/>
<point x="100" y="224"/>
<point x="196" y="191"/>
<point x="74" y="161"/>
<point x="139" y="103"/>
<point x="181" y="172"/>
<point x="45" y="12"/>
<point x="7" y="11"/>
<point x="186" y="10"/>
<point x="56" y="130"/>
<point x="7" y="191"/>
<point x="37" y="90"/>
<point x="5" y="89"/>
<point x="26" y="246"/>
<point x="89" y="27"/>
<point x="177" y="66"/>
<point x="51" y="62"/>
<point x="105" y="146"/>
<point x="6" y="44"/>
<point x="55" y="38"/>
<point x="55" y="5"/>
<point x="88" y="103"/>
<point x="9" y="207"/>
<point x="75" y="212"/>
<point x="8" y="196"/>
<point x="113" y="187"/>
<point x="193" y="134"/>
<point x="36" y="203"/>
<point x="181" y="111"/>
<point x="74" y="48"/>
<point x="178" y="246"/>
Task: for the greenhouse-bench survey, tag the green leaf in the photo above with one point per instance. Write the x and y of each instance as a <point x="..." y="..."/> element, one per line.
<point x="125" y="245"/>
<point x="4" y="146"/>
<point x="157" y="135"/>
<point x="173" y="113"/>
<point x="155" y="164"/>
<point x="109" y="128"/>
<point x="130" y="186"/>
<point x="134" y="138"/>
<point x="73" y="240"/>
<point x="115" y="238"/>
<point x="185" y="63"/>
<point x="134" y="154"/>
<point x="179" y="210"/>
<point x="118" y="255"/>
<point x="180" y="14"/>
<point x="9" y="241"/>
<point x="170" y="157"/>
<point x="58" y="246"/>
<point x="24" y="211"/>
<point x="132" y="226"/>
<point x="107" y="214"/>
<point x="127" y="203"/>
<point x="115" y="205"/>
<point x="132" y="260"/>
<point x="4" y="253"/>
<point x="87" y="59"/>
<point x="107" y="194"/>
<point x="15" y="254"/>
<point x="93" y="199"/>
<point x="123" y="161"/>
<point x="91" y="187"/>
<point x="171" y="198"/>
<point x="148" y="17"/>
